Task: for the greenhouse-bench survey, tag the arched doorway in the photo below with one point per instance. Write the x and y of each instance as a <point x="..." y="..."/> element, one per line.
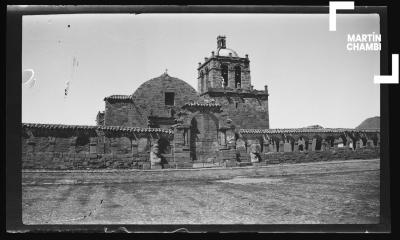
<point x="164" y="148"/>
<point x="318" y="143"/>
<point x="193" y="138"/>
<point x="203" y="137"/>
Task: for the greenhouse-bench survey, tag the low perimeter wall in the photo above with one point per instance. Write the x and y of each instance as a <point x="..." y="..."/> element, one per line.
<point x="229" y="158"/>
<point x="317" y="156"/>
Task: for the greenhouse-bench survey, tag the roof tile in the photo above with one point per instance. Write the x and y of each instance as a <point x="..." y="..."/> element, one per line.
<point x="305" y="130"/>
<point x="87" y="127"/>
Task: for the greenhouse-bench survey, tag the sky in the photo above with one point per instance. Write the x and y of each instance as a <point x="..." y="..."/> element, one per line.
<point x="312" y="78"/>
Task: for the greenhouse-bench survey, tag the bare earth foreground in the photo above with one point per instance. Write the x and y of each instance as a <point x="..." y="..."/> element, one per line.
<point x="337" y="192"/>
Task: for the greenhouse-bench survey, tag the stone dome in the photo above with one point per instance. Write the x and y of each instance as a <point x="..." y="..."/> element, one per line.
<point x="150" y="96"/>
<point x="224" y="52"/>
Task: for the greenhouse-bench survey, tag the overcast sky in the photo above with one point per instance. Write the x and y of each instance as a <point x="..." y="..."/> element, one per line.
<point x="311" y="77"/>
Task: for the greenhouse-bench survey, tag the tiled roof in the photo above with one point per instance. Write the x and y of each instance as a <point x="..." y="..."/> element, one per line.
<point x="195" y="106"/>
<point x="303" y="130"/>
<point x="56" y="126"/>
<point x="118" y="97"/>
<point x="239" y="92"/>
<point x="169" y="131"/>
<point x="136" y="129"/>
<point x="86" y="127"/>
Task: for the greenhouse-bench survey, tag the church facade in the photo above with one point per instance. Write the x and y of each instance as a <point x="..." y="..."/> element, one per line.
<point x="166" y="122"/>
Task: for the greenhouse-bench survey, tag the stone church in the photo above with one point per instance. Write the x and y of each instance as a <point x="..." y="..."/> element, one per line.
<point x="225" y="96"/>
<point x="166" y="122"/>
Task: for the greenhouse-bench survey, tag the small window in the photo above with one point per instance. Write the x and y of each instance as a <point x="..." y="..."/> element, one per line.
<point x="169" y="98"/>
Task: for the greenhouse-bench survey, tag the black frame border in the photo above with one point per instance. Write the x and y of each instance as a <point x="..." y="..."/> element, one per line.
<point x="13" y="120"/>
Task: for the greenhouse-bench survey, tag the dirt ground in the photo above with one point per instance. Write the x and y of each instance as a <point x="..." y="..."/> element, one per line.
<point x="324" y="197"/>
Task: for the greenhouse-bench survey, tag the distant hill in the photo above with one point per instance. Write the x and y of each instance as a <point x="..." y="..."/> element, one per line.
<point x="370" y="123"/>
<point x="314" y="127"/>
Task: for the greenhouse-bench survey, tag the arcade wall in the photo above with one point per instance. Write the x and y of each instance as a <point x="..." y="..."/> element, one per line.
<point x="70" y="153"/>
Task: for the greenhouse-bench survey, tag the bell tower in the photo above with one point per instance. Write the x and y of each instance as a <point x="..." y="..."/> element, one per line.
<point x="224" y="77"/>
<point x="224" y="69"/>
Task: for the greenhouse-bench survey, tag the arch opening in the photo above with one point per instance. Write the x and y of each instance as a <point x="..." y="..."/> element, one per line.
<point x="224" y="73"/>
<point x="204" y="141"/>
<point x="193" y="137"/>
<point x="318" y="143"/>
<point x="238" y="77"/>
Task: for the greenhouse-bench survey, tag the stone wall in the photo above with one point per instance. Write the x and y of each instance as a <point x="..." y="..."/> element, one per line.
<point x="245" y="112"/>
<point x="68" y="147"/>
<point x="54" y="146"/>
<point x="75" y="161"/>
<point x="318" y="156"/>
<point x="123" y="114"/>
<point x="233" y="158"/>
<point x="84" y="152"/>
<point x="45" y="154"/>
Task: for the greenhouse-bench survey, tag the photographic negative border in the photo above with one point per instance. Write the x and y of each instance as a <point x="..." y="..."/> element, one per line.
<point x="13" y="120"/>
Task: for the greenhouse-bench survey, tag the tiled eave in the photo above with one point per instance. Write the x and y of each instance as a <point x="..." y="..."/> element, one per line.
<point x="310" y="132"/>
<point x="242" y="93"/>
<point x="61" y="130"/>
<point x="214" y="107"/>
<point x="118" y="98"/>
<point x="307" y="130"/>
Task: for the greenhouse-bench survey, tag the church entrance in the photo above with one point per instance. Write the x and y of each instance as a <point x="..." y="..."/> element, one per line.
<point x="203" y="137"/>
<point x="193" y="135"/>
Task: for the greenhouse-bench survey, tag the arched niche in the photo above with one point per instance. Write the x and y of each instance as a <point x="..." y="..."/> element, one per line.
<point x="317" y="143"/>
<point x="238" y="76"/>
<point x="330" y="140"/>
<point x="203" y="135"/>
<point x="164" y="145"/>
<point x="82" y="143"/>
<point x="291" y="140"/>
<point x="302" y="143"/>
